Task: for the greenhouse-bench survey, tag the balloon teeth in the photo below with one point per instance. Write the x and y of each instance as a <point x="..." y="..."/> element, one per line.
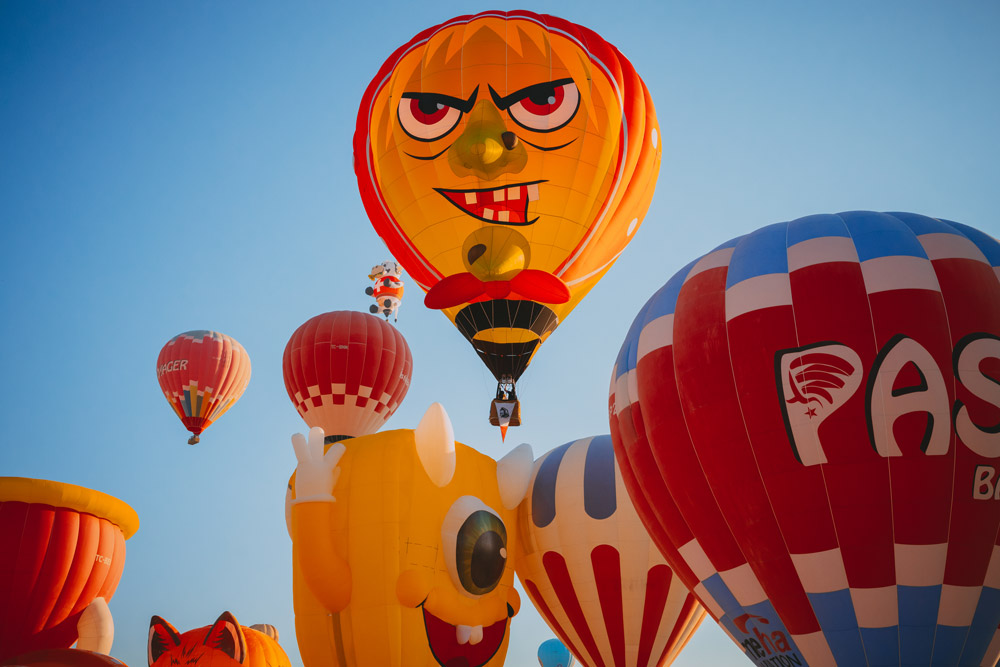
<point x="514" y="193"/>
<point x="488" y="213"/>
<point x="500" y="195"/>
<point x="477" y="635"/>
<point x="533" y="192"/>
<point x="463" y="633"/>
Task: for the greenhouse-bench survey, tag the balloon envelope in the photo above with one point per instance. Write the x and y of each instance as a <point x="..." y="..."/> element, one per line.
<point x="590" y="568"/>
<point x="410" y="566"/>
<point x="63" y="546"/>
<point x="506" y="159"/>
<point x="809" y="414"/>
<point x="202" y="375"/>
<point x="225" y="643"/>
<point x="553" y="653"/>
<point x="347" y="372"/>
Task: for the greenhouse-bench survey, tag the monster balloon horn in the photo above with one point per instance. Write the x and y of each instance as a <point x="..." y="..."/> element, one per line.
<point x="506" y="160"/>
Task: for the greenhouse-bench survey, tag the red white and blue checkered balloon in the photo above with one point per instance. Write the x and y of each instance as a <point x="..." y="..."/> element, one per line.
<point x="808" y="421"/>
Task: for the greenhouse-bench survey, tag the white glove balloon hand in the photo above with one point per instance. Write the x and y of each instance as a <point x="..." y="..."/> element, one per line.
<point x="317" y="472"/>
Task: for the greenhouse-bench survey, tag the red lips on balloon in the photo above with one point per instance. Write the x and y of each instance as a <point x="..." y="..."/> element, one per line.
<point x="809" y="420"/>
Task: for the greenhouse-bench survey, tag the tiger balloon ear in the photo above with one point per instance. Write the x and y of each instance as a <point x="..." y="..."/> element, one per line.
<point x="227" y="636"/>
<point x="162" y="637"/>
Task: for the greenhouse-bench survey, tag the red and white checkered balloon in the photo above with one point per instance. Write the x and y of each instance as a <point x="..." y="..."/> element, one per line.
<point x="347" y="372"/>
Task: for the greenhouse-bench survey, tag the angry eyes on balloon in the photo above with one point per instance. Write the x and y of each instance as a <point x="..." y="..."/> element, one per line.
<point x="546" y="106"/>
<point x="426" y="117"/>
<point x="543" y="107"/>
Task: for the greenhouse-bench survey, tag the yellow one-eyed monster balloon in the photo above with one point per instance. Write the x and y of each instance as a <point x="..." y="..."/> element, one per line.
<point x="403" y="546"/>
<point x="506" y="159"/>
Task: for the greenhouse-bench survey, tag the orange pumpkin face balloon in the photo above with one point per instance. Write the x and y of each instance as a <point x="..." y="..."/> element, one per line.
<point x="506" y="159"/>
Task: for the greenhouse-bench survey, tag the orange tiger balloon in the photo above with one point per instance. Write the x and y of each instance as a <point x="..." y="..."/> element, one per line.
<point x="225" y="643"/>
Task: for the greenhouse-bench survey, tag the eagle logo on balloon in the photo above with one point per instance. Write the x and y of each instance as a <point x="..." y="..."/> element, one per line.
<point x="506" y="160"/>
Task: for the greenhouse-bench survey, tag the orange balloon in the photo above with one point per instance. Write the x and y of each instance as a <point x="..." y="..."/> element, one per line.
<point x="506" y="159"/>
<point x="225" y="643"/>
<point x="63" y="546"/>
<point x="202" y="375"/>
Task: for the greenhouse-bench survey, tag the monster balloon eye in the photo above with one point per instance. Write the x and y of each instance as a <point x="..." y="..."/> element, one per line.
<point x="546" y="106"/>
<point x="426" y="117"/>
<point x="475" y="546"/>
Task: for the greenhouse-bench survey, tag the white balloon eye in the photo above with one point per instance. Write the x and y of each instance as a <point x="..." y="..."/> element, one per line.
<point x="546" y="106"/>
<point x="474" y="539"/>
<point x="426" y="116"/>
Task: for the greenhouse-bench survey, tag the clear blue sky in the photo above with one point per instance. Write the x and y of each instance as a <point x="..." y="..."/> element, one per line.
<point x="167" y="166"/>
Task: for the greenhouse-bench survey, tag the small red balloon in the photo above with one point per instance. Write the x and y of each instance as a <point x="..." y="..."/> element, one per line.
<point x="202" y="375"/>
<point x="347" y="372"/>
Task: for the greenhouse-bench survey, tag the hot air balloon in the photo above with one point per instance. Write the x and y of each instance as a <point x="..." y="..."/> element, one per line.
<point x="347" y="372"/>
<point x="225" y="643"/>
<point x="810" y="414"/>
<point x="553" y="653"/>
<point x="62" y="657"/>
<point x="387" y="290"/>
<point x="202" y="374"/>
<point x="62" y="555"/>
<point x="590" y="568"/>
<point x="403" y="548"/>
<point x="506" y="159"/>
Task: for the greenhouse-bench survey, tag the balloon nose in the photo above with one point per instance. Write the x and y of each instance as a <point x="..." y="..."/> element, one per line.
<point x="486" y="148"/>
<point x="495" y="253"/>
